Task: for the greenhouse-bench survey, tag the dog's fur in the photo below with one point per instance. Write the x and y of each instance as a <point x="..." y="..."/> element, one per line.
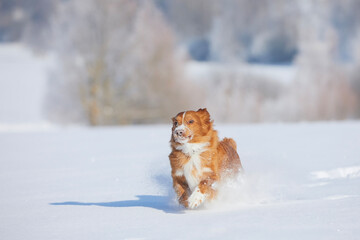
<point x="198" y="159"/>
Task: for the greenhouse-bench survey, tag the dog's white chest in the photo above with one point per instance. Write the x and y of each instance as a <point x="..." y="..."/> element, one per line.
<point x="192" y="170"/>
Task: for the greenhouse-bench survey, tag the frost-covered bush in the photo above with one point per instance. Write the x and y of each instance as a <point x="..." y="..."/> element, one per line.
<point x="117" y="63"/>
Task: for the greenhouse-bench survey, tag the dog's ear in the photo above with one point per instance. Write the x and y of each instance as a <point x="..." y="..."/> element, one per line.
<point x="204" y="115"/>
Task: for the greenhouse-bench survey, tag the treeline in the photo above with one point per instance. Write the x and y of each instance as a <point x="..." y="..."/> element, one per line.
<point x="124" y="61"/>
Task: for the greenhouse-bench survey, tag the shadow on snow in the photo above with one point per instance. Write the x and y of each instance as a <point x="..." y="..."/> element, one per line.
<point x="162" y="203"/>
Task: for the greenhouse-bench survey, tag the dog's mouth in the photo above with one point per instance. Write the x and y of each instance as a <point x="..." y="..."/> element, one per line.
<point x="182" y="139"/>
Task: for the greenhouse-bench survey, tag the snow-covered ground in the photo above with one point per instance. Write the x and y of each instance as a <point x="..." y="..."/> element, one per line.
<point x="302" y="181"/>
<point x="23" y="77"/>
<point x="203" y="71"/>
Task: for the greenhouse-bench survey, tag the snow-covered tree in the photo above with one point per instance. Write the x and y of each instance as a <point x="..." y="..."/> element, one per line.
<point x="118" y="59"/>
<point x="322" y="87"/>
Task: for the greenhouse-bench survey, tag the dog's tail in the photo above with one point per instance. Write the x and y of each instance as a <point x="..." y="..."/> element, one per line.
<point x="230" y="142"/>
<point x="231" y="162"/>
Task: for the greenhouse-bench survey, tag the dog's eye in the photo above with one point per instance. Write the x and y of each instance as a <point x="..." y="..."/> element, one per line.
<point x="175" y="123"/>
<point x="191" y="121"/>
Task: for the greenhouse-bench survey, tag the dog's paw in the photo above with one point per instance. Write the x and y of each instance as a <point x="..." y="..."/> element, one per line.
<point x="196" y="199"/>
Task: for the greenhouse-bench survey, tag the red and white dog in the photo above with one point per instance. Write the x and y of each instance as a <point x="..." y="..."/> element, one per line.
<point x="198" y="159"/>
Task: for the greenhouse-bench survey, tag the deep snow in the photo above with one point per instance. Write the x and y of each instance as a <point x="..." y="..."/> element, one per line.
<point x="302" y="181"/>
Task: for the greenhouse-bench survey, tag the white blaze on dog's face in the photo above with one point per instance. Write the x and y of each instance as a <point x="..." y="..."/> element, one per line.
<point x="189" y="124"/>
<point x="181" y="132"/>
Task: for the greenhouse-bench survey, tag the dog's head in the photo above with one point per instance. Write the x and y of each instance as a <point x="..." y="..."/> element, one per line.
<point x="188" y="126"/>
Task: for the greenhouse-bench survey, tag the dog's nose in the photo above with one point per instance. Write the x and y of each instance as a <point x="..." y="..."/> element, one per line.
<point x="179" y="132"/>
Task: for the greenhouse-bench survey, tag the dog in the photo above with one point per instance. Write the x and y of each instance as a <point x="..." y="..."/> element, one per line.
<point x="198" y="159"/>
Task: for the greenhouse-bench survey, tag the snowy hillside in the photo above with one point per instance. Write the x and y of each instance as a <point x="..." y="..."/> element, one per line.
<point x="301" y="182"/>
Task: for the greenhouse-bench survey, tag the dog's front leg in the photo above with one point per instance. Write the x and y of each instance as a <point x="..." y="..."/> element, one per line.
<point x="181" y="190"/>
<point x="203" y="191"/>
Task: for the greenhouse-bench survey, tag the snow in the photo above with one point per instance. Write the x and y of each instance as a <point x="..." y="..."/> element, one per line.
<point x="301" y="181"/>
<point x="200" y="71"/>
<point x="23" y="76"/>
<point x="349" y="172"/>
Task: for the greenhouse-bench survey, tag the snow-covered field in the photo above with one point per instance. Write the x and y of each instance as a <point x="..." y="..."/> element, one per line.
<point x="203" y="71"/>
<point x="302" y="181"/>
<point x="23" y="77"/>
